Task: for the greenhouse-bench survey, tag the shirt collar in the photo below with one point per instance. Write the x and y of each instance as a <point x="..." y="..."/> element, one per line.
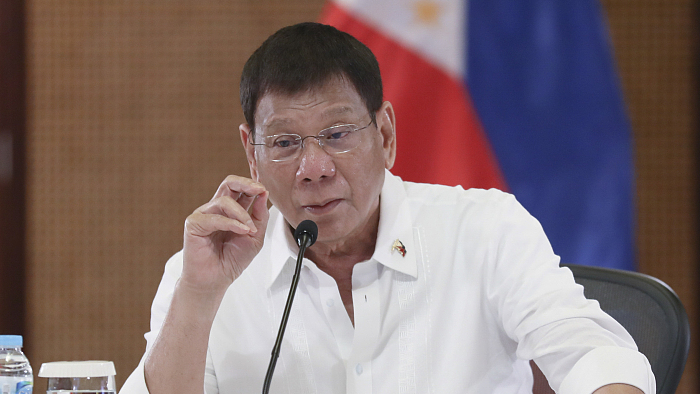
<point x="394" y="225"/>
<point x="281" y="244"/>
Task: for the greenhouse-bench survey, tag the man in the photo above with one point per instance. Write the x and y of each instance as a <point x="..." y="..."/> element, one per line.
<point x="409" y="288"/>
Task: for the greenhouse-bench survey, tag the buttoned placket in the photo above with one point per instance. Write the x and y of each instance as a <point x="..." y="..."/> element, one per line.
<point x="334" y="311"/>
<point x="365" y="298"/>
<point x="356" y="344"/>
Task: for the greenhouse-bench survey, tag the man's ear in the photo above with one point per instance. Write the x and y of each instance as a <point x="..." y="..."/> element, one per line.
<point x="246" y="139"/>
<point x="386" y="123"/>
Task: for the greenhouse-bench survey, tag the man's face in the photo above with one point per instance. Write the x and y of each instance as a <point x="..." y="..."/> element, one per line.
<point x="339" y="192"/>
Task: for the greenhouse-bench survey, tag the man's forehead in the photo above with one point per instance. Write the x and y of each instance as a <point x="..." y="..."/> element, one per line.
<point x="277" y="109"/>
<point x="326" y="114"/>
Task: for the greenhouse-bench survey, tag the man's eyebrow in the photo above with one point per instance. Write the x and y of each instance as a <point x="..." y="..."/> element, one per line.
<point x="329" y="113"/>
<point x="335" y="111"/>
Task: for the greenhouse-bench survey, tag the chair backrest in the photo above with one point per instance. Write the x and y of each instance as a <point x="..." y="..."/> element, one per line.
<point x="650" y="311"/>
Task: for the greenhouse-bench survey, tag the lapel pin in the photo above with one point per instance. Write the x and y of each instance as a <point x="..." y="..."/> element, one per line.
<point x="398" y="246"/>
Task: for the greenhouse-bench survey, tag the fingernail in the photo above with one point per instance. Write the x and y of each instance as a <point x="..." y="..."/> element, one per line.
<point x="252" y="227"/>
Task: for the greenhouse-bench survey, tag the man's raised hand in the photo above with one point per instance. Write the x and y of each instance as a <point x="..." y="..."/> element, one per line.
<point x="224" y="235"/>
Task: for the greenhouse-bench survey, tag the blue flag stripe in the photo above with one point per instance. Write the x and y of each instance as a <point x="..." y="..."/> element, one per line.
<point x="543" y="82"/>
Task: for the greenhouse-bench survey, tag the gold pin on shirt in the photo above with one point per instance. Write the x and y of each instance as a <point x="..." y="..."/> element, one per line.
<point x="398" y="246"/>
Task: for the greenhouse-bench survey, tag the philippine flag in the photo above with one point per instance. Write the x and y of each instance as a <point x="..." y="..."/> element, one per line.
<point x="520" y="95"/>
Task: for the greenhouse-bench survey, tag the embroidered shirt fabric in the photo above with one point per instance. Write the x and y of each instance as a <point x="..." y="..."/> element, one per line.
<point x="478" y="293"/>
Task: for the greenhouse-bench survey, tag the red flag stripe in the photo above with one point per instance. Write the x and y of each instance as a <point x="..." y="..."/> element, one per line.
<point x="447" y="147"/>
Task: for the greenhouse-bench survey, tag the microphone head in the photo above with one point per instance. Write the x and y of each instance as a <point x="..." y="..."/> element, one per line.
<point x="309" y="228"/>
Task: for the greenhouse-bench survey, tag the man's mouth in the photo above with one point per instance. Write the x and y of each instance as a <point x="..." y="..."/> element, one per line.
<point x="323" y="207"/>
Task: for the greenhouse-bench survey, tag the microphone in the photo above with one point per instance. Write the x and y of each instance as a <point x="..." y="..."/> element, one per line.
<point x="305" y="235"/>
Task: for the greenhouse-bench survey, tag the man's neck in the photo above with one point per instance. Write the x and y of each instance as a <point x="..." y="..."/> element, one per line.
<point x="339" y="256"/>
<point x="338" y="259"/>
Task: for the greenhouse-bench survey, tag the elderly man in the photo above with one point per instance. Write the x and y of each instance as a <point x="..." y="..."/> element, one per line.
<point x="410" y="288"/>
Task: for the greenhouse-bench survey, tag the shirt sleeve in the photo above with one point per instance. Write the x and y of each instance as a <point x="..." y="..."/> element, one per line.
<point x="577" y="346"/>
<point x="136" y="383"/>
<point x="604" y="365"/>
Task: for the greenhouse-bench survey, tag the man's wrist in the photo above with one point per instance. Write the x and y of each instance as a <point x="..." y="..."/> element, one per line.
<point x="194" y="297"/>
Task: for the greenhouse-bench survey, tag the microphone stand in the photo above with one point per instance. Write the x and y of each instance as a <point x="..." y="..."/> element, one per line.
<point x="305" y="241"/>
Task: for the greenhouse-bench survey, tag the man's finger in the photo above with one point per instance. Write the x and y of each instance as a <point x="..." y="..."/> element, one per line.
<point x="234" y="185"/>
<point x="205" y="224"/>
<point x="246" y="201"/>
<point x="228" y="207"/>
<point x="259" y="212"/>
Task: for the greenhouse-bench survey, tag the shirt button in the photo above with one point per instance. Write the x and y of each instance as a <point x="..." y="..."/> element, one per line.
<point x="358" y="369"/>
<point x="330" y="303"/>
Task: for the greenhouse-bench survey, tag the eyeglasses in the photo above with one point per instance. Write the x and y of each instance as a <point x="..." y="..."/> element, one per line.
<point x="334" y="140"/>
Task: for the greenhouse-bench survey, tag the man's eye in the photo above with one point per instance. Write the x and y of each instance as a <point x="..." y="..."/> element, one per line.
<point x="338" y="134"/>
<point x="285" y="142"/>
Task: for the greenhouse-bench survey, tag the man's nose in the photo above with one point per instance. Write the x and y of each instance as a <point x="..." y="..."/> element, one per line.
<point x="315" y="163"/>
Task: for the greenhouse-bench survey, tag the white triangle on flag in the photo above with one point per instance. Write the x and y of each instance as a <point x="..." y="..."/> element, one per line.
<point x="434" y="29"/>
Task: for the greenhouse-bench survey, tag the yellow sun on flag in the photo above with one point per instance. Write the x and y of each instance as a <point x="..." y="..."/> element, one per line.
<point x="426" y="12"/>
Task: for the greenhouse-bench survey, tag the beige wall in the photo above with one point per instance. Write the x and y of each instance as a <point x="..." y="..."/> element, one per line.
<point x="655" y="44"/>
<point x="133" y="115"/>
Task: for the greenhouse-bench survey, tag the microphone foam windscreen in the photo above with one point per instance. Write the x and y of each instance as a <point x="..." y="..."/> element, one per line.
<point x="306" y="227"/>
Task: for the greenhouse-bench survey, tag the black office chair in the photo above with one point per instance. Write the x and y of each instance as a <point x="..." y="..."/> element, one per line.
<point x="649" y="310"/>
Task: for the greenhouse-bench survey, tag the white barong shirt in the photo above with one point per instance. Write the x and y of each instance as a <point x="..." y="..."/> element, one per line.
<point x="478" y="293"/>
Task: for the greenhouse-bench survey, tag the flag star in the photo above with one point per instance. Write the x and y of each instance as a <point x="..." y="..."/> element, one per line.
<point x="427" y="12"/>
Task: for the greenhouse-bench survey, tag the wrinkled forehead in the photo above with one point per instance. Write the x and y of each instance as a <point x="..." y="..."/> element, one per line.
<point x="335" y="100"/>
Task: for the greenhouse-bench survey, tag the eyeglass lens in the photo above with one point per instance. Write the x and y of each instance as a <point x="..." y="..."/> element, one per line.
<point x="334" y="140"/>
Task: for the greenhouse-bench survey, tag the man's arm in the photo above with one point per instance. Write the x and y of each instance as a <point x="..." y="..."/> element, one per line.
<point x="178" y="357"/>
<point x="221" y="239"/>
<point x="578" y="347"/>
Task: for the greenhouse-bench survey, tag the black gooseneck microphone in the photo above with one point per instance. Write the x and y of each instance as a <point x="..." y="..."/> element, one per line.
<point x="305" y="234"/>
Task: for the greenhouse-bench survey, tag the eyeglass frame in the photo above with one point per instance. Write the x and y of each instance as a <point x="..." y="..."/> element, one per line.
<point x="318" y="138"/>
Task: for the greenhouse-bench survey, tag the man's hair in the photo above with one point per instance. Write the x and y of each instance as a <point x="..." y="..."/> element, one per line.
<point x="305" y="56"/>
